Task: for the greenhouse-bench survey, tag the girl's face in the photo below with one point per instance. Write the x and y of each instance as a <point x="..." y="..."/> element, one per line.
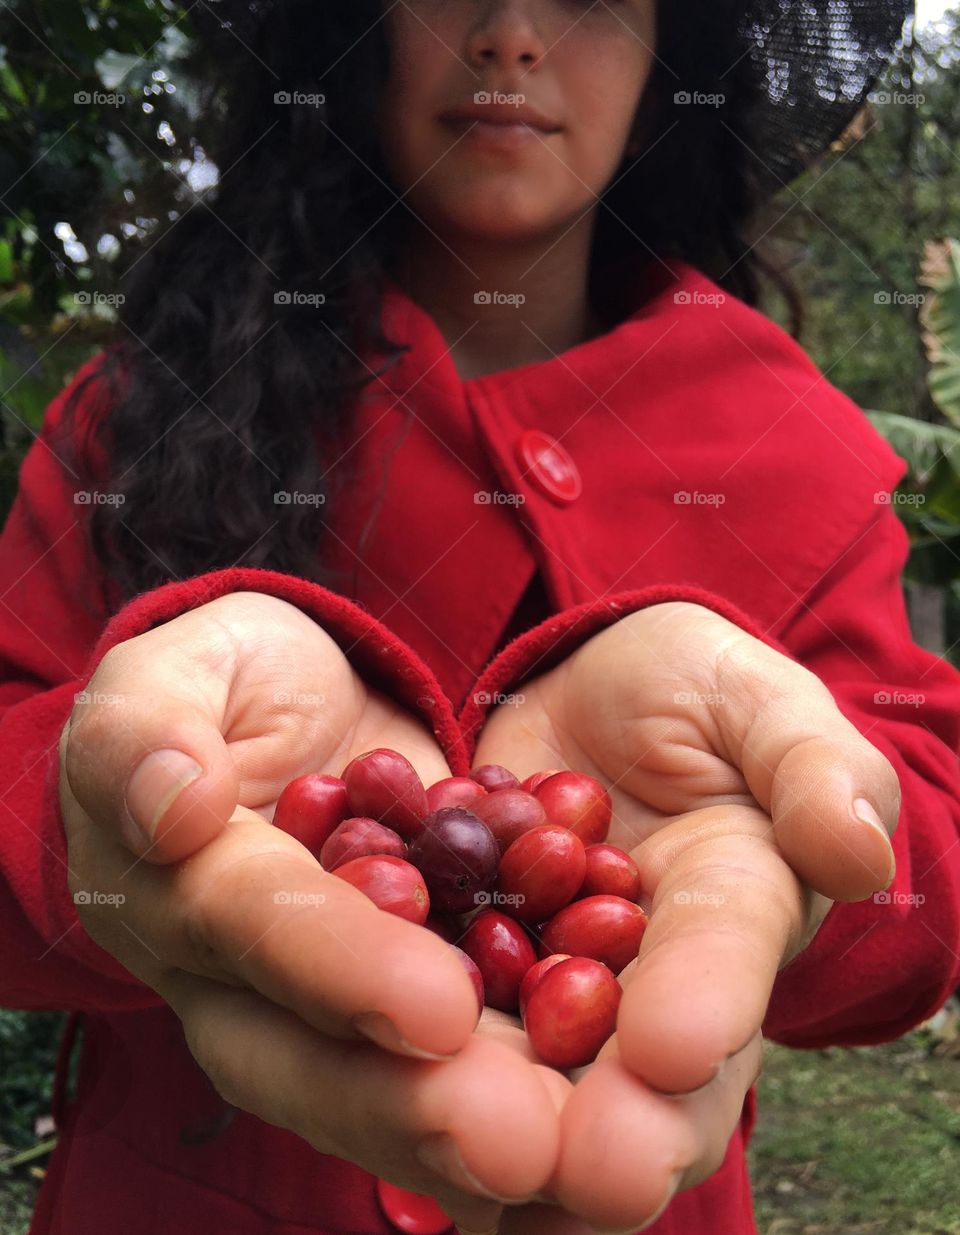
<point x="582" y="64"/>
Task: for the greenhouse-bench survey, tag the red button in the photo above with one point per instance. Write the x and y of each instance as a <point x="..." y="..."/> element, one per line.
<point x="411" y="1212"/>
<point x="549" y="466"/>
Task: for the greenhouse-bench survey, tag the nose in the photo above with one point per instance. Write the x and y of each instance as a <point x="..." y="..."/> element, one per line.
<point x="505" y="32"/>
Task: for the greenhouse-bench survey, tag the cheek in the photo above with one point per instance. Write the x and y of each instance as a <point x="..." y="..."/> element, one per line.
<point x="420" y="67"/>
<point x="608" y="101"/>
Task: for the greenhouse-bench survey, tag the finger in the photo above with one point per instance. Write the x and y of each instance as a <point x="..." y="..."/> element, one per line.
<point x="144" y="756"/>
<point x="834" y="798"/>
<point x="480" y="1125"/>
<point x="651" y="1145"/>
<point x="502" y="1027"/>
<point x="254" y="908"/>
<point x="726" y="912"/>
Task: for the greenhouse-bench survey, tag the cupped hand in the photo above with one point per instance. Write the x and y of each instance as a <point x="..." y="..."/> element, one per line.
<point x="305" y="1004"/>
<point x="733" y="775"/>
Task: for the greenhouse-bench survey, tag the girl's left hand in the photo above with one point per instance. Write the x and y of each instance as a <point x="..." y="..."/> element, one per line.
<point x="733" y="776"/>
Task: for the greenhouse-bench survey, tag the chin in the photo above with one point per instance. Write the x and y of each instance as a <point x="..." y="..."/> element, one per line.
<point x="519" y="217"/>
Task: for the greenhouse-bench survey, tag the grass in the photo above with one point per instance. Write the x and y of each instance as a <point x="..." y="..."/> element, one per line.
<point x="17" y="1197"/>
<point x="861" y="1141"/>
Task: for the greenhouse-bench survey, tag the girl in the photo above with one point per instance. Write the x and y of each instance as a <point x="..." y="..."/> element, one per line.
<point x="437" y="432"/>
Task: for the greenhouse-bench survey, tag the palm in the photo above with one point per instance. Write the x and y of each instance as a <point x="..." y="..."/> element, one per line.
<point x="286" y="699"/>
<point x="657" y="763"/>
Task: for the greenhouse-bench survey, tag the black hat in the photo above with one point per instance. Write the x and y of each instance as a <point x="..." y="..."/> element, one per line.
<point x="815" y="62"/>
<point x="818" y="59"/>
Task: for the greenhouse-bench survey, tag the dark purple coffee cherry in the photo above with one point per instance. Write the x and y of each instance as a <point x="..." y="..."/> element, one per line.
<point x="458" y="857"/>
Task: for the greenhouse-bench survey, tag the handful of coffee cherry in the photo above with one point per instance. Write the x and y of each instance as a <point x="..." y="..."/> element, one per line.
<point x="516" y="877"/>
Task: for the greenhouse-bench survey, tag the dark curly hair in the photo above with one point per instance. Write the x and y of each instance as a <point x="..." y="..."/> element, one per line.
<point x="215" y="397"/>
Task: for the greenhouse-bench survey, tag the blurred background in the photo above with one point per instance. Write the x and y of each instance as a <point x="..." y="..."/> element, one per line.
<point x="101" y="143"/>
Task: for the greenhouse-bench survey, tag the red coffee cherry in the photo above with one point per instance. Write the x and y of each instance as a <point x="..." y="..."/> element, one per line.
<point x="537" y="778"/>
<point x="492" y="776"/>
<point x="541" y="872"/>
<point x="502" y="951"/>
<point x="393" y="885"/>
<point x="310" y="807"/>
<point x="535" y="973"/>
<point x="572" y="1011"/>
<point x="384" y="785"/>
<point x="454" y="791"/>
<point x="578" y="802"/>
<point x="508" y="813"/>
<point x="610" y="872"/>
<point x="606" y="928"/>
<point x="359" y="838"/>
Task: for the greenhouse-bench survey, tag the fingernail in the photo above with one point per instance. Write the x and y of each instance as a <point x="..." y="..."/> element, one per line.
<point x="866" y="814"/>
<point x="381" y="1030"/>
<point x="440" y="1154"/>
<point x="155" y="783"/>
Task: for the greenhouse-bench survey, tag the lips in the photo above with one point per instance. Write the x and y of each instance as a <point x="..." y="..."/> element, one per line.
<point x="502" y="114"/>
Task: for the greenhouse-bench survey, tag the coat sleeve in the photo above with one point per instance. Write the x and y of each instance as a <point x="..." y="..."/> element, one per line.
<point x="53" y="634"/>
<point x="880" y="967"/>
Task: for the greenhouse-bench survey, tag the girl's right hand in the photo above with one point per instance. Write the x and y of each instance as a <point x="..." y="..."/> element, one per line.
<point x="303" y="1003"/>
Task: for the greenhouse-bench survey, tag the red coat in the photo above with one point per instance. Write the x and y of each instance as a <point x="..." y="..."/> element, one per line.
<point x="687" y="396"/>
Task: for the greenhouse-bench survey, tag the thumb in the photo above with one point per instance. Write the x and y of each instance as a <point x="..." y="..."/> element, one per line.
<point x="834" y="798"/>
<point x="149" y="767"/>
<point x="835" y="804"/>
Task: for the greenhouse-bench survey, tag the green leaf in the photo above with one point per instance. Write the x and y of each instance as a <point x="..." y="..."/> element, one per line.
<point x="940" y="318"/>
<point x="919" y="442"/>
<point x="11" y="84"/>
